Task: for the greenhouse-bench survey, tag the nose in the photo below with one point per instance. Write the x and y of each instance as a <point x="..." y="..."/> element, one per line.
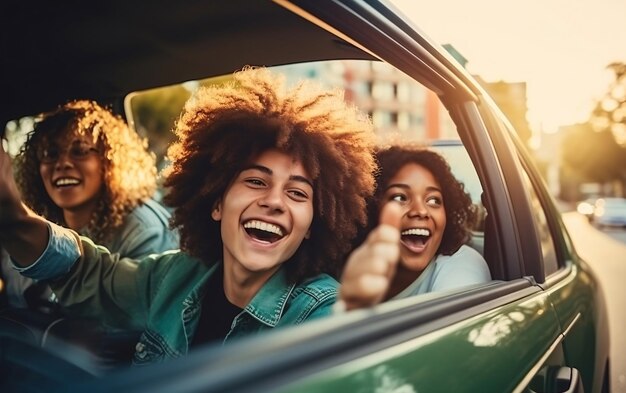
<point x="273" y="199"/>
<point x="418" y="209"/>
<point x="64" y="160"/>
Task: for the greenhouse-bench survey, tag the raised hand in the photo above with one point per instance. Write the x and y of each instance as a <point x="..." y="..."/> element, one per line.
<point x="9" y="194"/>
<point x="22" y="233"/>
<point x="371" y="266"/>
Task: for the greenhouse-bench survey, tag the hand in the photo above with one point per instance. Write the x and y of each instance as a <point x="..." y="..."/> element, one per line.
<point x="10" y="203"/>
<point x="371" y="266"/>
<point x="22" y="233"/>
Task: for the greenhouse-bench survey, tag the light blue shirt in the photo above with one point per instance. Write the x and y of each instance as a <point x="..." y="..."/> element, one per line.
<point x="463" y="268"/>
<point x="145" y="231"/>
<point x="57" y="259"/>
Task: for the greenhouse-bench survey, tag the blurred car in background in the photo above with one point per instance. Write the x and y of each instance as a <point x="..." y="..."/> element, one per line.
<point x="586" y="208"/>
<point x="610" y="212"/>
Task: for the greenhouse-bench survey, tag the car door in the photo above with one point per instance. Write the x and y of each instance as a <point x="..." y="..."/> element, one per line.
<point x="573" y="290"/>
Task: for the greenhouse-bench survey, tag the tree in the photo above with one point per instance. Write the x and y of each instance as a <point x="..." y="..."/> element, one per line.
<point x="608" y="120"/>
<point x="609" y="113"/>
<point x="597" y="151"/>
<point x="593" y="156"/>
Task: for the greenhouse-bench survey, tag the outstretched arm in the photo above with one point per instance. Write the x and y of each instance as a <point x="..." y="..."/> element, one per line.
<point x="22" y="233"/>
<point x="371" y="267"/>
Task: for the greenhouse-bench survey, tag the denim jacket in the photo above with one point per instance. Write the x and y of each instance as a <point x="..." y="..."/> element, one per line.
<point x="161" y="295"/>
<point x="144" y="231"/>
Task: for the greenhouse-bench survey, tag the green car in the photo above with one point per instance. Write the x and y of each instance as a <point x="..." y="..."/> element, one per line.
<point x="539" y="326"/>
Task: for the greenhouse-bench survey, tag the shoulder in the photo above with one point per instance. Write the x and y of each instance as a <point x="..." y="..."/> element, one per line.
<point x="321" y="287"/>
<point x="150" y="212"/>
<point x="145" y="230"/>
<point x="465" y="255"/>
<point x="311" y="299"/>
<point x="464" y="267"/>
<point x="174" y="264"/>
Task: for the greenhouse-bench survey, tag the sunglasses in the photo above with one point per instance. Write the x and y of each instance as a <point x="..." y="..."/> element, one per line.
<point x="75" y="152"/>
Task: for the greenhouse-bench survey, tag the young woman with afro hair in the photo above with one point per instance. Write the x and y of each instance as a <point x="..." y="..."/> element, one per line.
<point x="420" y="219"/>
<point x="269" y="188"/>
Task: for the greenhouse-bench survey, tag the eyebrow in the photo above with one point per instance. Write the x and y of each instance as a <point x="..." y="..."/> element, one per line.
<point x="406" y="187"/>
<point x="268" y="171"/>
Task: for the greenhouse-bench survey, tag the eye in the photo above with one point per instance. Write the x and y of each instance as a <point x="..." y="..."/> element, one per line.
<point x="298" y="195"/>
<point x="79" y="151"/>
<point x="434" y="201"/>
<point x="398" y="197"/>
<point x="49" y="155"/>
<point x="255" y="182"/>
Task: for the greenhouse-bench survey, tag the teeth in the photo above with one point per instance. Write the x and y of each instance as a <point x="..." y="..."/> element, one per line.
<point x="416" y="231"/>
<point x="66" y="182"/>
<point x="263" y="226"/>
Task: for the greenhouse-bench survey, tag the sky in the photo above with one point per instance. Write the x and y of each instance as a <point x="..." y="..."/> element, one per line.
<point x="560" y="48"/>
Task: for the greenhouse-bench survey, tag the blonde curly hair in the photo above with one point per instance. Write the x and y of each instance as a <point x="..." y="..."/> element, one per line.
<point x="129" y="169"/>
<point x="223" y="127"/>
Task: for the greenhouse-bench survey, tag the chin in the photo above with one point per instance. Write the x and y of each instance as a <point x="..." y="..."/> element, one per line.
<point x="259" y="265"/>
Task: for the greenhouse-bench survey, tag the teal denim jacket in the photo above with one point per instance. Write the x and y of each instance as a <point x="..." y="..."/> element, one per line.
<point x="161" y="295"/>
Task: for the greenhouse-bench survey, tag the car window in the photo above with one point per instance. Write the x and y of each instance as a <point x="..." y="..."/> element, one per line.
<point x="399" y="107"/>
<point x="397" y="104"/>
<point x="550" y="262"/>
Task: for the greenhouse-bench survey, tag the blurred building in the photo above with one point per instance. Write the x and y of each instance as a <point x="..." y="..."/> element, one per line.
<point x="397" y="105"/>
<point x="512" y="100"/>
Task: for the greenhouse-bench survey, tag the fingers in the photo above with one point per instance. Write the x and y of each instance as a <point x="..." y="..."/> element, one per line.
<point x="369" y="270"/>
<point x="391" y="215"/>
<point x="10" y="200"/>
<point x="371" y="267"/>
<point x="365" y="291"/>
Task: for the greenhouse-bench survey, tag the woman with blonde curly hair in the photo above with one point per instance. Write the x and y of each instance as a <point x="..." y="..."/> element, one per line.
<point x="420" y="218"/>
<point x="268" y="186"/>
<point x="83" y="168"/>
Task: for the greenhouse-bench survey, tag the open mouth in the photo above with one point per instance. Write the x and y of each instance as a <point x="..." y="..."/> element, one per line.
<point x="415" y="239"/>
<point x="264" y="231"/>
<point x="66" y="182"/>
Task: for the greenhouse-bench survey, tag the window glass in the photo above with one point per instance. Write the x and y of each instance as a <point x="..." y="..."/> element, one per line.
<point x="382" y="119"/>
<point x="399" y="107"/>
<point x="382" y="90"/>
<point x="464" y="171"/>
<point x="548" y="249"/>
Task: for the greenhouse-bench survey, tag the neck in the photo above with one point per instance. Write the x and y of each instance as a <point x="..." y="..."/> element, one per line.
<point x="402" y="279"/>
<point x="78" y="218"/>
<point x="241" y="284"/>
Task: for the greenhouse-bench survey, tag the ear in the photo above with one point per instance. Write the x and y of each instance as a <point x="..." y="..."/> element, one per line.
<point x="307" y="235"/>
<point x="216" y="213"/>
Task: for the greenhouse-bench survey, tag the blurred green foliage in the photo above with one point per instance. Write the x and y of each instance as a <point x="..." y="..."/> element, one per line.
<point x="596" y="151"/>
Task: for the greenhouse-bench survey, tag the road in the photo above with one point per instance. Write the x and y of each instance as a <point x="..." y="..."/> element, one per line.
<point x="606" y="254"/>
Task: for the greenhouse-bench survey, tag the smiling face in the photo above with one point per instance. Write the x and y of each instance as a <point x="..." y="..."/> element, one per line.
<point x="424" y="215"/>
<point x="265" y="213"/>
<point x="72" y="173"/>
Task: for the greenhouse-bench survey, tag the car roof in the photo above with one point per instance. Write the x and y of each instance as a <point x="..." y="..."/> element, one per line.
<point x="125" y="46"/>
